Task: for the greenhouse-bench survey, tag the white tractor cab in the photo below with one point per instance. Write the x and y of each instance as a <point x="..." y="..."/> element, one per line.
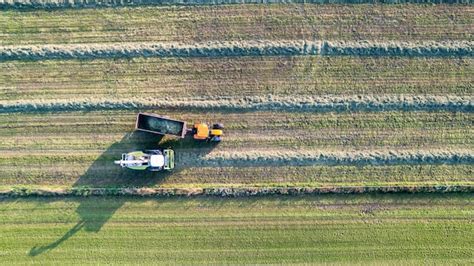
<point x="151" y="160"/>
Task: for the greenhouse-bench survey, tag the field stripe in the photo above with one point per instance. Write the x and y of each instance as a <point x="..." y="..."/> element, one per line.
<point x="235" y="76"/>
<point x="237" y="48"/>
<point x="26" y="4"/>
<point x="272" y="103"/>
<point x="191" y="24"/>
<point x="186" y="158"/>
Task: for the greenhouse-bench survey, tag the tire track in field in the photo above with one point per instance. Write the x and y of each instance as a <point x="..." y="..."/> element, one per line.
<point x="356" y="103"/>
<point x="308" y="158"/>
<point x="236" y="48"/>
<point x="50" y="4"/>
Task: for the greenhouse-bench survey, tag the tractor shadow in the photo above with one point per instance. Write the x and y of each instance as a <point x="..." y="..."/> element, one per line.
<point x="104" y="174"/>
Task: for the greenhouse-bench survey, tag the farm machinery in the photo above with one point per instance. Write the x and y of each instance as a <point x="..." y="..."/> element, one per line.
<point x="163" y="159"/>
<point x="151" y="160"/>
<point x="162" y="125"/>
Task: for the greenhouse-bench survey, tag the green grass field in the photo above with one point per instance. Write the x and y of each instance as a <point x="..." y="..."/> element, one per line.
<point x="370" y="229"/>
<point x="392" y="110"/>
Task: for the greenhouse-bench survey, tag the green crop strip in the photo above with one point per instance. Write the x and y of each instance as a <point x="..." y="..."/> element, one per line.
<point x="324" y="229"/>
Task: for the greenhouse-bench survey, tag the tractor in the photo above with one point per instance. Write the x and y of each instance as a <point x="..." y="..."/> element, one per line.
<point x="150" y="160"/>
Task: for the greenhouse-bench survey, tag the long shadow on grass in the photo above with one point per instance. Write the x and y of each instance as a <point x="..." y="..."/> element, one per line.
<point x="104" y="174"/>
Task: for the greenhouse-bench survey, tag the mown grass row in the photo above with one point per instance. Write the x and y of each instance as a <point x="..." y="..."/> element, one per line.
<point x="246" y="157"/>
<point x="323" y="229"/>
<point x="58" y="179"/>
<point x="76" y="175"/>
<point x="234" y="191"/>
<point x="310" y="157"/>
<point x="312" y="75"/>
<point x="238" y="48"/>
<point x="322" y="104"/>
<point x="237" y="22"/>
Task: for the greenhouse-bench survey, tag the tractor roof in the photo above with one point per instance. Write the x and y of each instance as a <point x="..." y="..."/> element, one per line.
<point x="157" y="161"/>
<point x="202" y="130"/>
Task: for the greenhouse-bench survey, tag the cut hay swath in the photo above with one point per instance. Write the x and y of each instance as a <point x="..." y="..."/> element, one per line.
<point x="230" y="191"/>
<point x="239" y="157"/>
<point x="237" y="48"/>
<point x="256" y="103"/>
<point x="305" y="158"/>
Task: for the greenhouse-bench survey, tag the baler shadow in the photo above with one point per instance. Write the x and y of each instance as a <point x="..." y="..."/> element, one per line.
<point x="104" y="174"/>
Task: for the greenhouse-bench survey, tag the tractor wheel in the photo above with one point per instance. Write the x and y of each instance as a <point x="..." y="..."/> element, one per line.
<point x="152" y="152"/>
<point x="218" y="126"/>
